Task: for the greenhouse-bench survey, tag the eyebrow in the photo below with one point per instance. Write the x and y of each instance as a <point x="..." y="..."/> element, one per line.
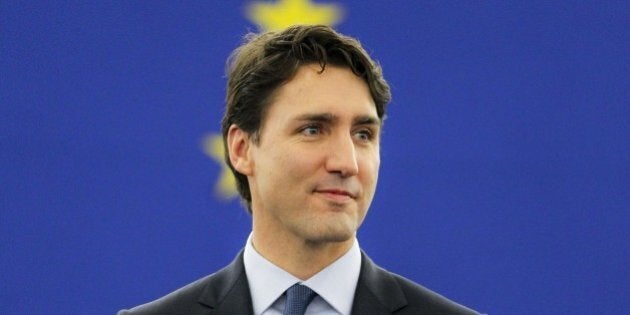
<point x="330" y="118"/>
<point x="367" y="120"/>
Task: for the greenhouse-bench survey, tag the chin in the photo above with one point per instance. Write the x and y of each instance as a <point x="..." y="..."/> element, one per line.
<point x="335" y="233"/>
<point x="336" y="237"/>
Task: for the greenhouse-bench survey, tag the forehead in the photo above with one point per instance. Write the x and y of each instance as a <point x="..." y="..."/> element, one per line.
<point x="336" y="90"/>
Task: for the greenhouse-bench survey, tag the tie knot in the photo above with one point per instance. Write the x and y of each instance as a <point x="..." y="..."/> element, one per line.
<point x="298" y="298"/>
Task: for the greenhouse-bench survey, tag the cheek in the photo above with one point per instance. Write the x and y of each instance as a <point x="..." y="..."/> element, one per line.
<point x="300" y="165"/>
<point x="292" y="176"/>
<point x="369" y="167"/>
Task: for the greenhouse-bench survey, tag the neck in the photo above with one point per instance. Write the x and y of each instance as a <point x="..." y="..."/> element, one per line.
<point x="297" y="256"/>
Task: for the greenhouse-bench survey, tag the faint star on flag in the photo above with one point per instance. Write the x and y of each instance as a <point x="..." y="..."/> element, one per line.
<point x="277" y="15"/>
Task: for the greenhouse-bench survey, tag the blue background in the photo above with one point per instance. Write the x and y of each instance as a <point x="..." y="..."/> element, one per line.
<point x="505" y="177"/>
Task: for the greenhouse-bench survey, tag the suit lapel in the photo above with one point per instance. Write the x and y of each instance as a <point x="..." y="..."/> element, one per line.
<point x="377" y="291"/>
<point x="228" y="291"/>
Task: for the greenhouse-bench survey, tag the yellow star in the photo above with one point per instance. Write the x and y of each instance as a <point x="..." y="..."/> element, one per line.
<point x="212" y="146"/>
<point x="284" y="13"/>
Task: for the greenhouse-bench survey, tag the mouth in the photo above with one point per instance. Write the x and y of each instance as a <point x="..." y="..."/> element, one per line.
<point x="337" y="195"/>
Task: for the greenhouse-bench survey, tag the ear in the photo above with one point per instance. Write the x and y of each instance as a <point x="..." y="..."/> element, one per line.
<point x="238" y="145"/>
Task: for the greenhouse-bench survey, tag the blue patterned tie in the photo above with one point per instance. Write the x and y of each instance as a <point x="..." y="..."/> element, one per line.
<point x="298" y="298"/>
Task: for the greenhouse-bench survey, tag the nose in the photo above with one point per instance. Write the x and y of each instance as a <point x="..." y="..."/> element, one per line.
<point x="342" y="157"/>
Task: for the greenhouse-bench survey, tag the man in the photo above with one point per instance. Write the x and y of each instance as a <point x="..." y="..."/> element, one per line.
<point x="302" y="126"/>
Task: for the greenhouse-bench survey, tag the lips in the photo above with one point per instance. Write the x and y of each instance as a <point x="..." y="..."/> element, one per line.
<point x="335" y="192"/>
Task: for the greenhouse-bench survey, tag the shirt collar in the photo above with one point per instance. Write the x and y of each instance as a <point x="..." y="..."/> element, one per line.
<point x="335" y="284"/>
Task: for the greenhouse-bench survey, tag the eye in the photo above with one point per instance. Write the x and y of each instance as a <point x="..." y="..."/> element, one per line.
<point x="311" y="130"/>
<point x="364" y="135"/>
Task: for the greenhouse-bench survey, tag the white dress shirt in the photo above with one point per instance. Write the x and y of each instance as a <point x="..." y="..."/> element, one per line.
<point x="334" y="285"/>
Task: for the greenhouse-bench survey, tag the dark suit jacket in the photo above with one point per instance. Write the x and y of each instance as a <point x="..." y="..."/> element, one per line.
<point x="227" y="292"/>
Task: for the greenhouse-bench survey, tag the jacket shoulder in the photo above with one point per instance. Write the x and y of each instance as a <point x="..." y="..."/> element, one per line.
<point x="423" y="300"/>
<point x="180" y="301"/>
<point x="223" y="292"/>
<point x="380" y="291"/>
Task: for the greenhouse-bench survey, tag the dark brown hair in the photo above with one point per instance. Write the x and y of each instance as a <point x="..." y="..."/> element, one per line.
<point x="265" y="61"/>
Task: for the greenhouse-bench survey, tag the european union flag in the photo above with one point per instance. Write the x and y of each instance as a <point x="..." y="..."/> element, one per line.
<point x="505" y="159"/>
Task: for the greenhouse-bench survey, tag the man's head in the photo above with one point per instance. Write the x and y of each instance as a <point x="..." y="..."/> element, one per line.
<point x="265" y="62"/>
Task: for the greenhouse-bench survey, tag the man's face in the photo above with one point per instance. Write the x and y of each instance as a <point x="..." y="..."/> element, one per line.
<point x="315" y="168"/>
